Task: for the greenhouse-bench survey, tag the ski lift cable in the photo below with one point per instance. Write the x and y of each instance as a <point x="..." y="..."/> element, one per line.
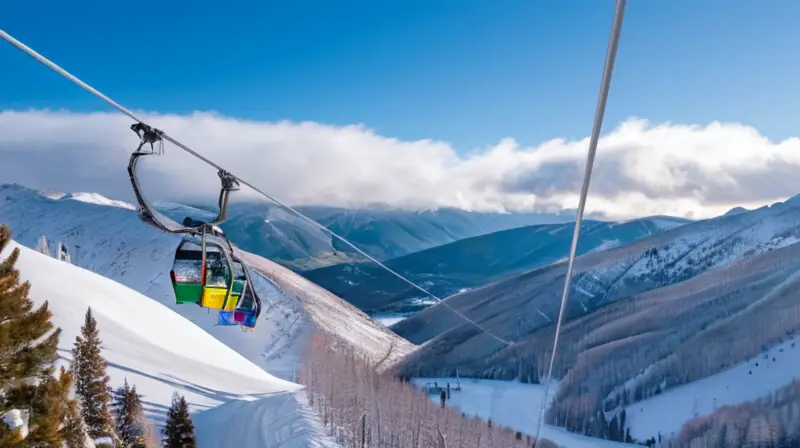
<point x="24" y="48"/>
<point x="605" y="86"/>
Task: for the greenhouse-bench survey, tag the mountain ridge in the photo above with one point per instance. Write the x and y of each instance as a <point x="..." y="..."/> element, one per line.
<point x="475" y="261"/>
<point x="650" y="316"/>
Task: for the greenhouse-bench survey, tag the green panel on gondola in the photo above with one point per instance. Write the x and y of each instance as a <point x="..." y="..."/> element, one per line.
<point x="188" y="292"/>
<point x="238" y="287"/>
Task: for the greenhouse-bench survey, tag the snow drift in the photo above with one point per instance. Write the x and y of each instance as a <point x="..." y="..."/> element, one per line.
<point x="161" y="352"/>
<point x="152" y="341"/>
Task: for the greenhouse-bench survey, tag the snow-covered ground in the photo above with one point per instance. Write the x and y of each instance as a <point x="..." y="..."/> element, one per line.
<point x="324" y="310"/>
<point x="389" y="319"/>
<point x="161" y="352"/>
<point x="94" y="198"/>
<point x="667" y="412"/>
<point x="272" y="421"/>
<point x="113" y="242"/>
<point x="512" y="404"/>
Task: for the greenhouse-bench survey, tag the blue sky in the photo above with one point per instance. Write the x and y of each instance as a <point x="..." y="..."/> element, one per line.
<point x="467" y="72"/>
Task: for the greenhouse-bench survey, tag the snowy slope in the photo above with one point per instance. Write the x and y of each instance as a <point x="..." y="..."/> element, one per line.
<point x="326" y="311"/>
<point x="160" y="352"/>
<point x="747" y="381"/>
<point x="94" y="198"/>
<point x="113" y="242"/>
<point x="281" y="421"/>
<point x="512" y="404"/>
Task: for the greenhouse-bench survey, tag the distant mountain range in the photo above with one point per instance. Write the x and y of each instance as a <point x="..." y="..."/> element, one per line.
<point x="476" y="261"/>
<point x="273" y="233"/>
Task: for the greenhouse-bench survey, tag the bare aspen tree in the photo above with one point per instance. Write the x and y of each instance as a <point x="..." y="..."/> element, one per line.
<point x="361" y="407"/>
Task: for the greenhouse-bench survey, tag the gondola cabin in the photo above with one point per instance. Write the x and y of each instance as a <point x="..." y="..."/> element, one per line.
<point x="210" y="286"/>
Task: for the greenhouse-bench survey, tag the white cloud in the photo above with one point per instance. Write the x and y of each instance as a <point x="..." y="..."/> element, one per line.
<point x="641" y="169"/>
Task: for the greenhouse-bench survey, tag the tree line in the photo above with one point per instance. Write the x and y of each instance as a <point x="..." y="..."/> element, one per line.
<point x="771" y="421"/>
<point x="361" y="407"/>
<point x="75" y="407"/>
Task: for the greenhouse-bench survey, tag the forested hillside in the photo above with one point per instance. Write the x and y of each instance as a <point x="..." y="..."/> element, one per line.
<point x="642" y="319"/>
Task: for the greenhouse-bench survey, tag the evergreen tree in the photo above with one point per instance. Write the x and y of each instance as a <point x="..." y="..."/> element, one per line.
<point x="131" y="425"/>
<point x="74" y="429"/>
<point x="20" y="356"/>
<point x="91" y="381"/>
<point x="27" y="353"/>
<point x="179" y="429"/>
<point x="50" y="405"/>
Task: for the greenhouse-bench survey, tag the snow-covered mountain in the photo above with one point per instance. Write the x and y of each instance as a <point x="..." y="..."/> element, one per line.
<point x="642" y="319"/>
<point x="112" y="241"/>
<point x="603" y="277"/>
<point x="646" y="320"/>
<point x="272" y="232"/>
<point x="476" y="261"/>
<point x="160" y="352"/>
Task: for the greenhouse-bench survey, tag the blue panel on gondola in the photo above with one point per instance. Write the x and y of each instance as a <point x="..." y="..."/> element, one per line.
<point x="226" y="318"/>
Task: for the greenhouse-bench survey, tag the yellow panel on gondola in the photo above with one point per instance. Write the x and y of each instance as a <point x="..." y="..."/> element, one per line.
<point x="217" y="299"/>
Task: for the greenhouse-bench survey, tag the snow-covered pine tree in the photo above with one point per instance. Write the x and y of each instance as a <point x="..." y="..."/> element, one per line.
<point x="91" y="381"/>
<point x="27" y="352"/>
<point x="118" y="407"/>
<point x="179" y="429"/>
<point x="131" y="424"/>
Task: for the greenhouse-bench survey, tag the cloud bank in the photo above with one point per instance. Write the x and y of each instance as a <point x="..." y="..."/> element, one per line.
<point x="641" y="168"/>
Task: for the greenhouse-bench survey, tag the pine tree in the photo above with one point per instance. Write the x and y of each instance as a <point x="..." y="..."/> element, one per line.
<point x="20" y="356"/>
<point x="74" y="429"/>
<point x="179" y="429"/>
<point x="91" y="381"/>
<point x="127" y="408"/>
<point x="27" y="353"/>
<point x="51" y="404"/>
